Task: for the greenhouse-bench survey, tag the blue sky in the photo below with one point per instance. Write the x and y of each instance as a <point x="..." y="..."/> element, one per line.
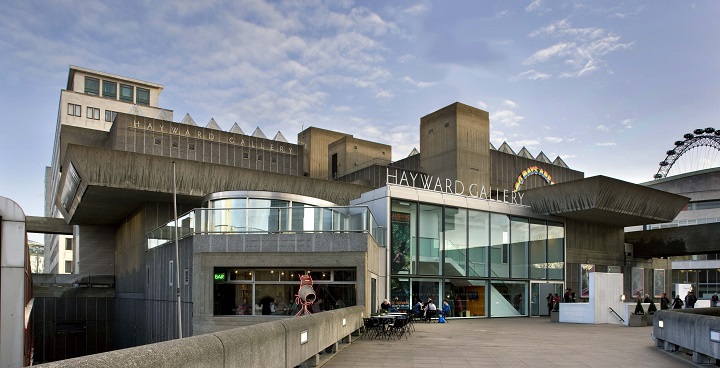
<point x="607" y="86"/>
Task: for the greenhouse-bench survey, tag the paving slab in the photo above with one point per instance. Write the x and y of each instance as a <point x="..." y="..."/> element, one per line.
<point x="512" y="342"/>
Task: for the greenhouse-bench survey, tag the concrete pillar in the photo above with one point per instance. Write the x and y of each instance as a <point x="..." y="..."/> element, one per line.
<point x="313" y="361"/>
<point x="699" y="358"/>
<point x="659" y="343"/>
<point x="12" y="274"/>
<point x="670" y="346"/>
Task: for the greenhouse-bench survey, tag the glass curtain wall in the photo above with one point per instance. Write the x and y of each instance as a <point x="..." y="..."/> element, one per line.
<point x="538" y="250"/>
<point x="487" y="260"/>
<point x="556" y="251"/>
<point x="430" y="232"/>
<point x="520" y="236"/>
<point x="507" y="298"/>
<point x="499" y="245"/>
<point x="478" y="243"/>
<point x="455" y="241"/>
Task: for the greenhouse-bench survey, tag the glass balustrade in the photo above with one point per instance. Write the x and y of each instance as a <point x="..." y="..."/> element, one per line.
<point x="269" y="220"/>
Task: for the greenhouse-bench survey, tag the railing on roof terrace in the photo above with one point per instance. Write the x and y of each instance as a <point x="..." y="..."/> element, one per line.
<point x="679" y="223"/>
<point x="269" y="221"/>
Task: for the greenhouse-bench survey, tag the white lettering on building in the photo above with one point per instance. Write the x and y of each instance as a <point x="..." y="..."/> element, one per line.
<point x="429" y="182"/>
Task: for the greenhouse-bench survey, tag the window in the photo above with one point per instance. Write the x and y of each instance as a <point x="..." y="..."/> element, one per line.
<point x="92" y="86"/>
<point x="74" y="110"/>
<point x="127" y="93"/>
<point x="110" y="116"/>
<point x="174" y="144"/>
<point x="246" y="155"/>
<point x="109" y="90"/>
<point x="158" y="141"/>
<point x="68" y="244"/>
<point x="143" y="96"/>
<point x="93" y="113"/>
<point x="171" y="271"/>
<point x="68" y="266"/>
<point x="259" y="157"/>
<point x="191" y="146"/>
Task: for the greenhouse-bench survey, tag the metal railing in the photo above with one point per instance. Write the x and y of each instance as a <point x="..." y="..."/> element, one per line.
<point x="270" y="220"/>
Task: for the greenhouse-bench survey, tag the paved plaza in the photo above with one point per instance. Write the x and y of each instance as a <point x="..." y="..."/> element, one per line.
<point x="512" y="342"/>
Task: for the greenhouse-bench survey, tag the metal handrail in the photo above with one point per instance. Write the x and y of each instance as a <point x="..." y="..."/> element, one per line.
<point x="618" y="316"/>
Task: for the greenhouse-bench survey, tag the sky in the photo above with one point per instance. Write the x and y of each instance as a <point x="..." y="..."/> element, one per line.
<point x="607" y="86"/>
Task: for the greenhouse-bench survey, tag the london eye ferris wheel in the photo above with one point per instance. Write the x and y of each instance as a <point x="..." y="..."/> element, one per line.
<point x="697" y="151"/>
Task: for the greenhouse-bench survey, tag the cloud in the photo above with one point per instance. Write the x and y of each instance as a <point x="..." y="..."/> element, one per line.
<point x="627" y="123"/>
<point x="527" y="143"/>
<point x="531" y="75"/>
<point x="535" y="5"/>
<point x="416" y="9"/>
<point x="553" y="139"/>
<point x="582" y="50"/>
<point x="506" y="118"/>
<point x="510" y="103"/>
<point x="482" y="105"/>
<point x="416" y="83"/>
<point x="602" y="128"/>
<point x="607" y="144"/>
<point x="403" y="59"/>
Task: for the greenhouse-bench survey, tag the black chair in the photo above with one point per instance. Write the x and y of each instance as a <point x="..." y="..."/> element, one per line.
<point x="372" y="328"/>
<point x="398" y="328"/>
<point x="430" y="314"/>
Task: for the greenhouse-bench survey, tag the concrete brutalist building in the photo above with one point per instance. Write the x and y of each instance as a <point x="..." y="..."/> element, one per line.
<point x="458" y="219"/>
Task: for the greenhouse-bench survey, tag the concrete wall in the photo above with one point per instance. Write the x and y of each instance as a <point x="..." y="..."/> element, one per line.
<point x="316" y="250"/>
<point x="12" y="283"/>
<point x="455" y="144"/>
<point x="73" y="315"/>
<point x="315" y="154"/>
<point x="165" y="138"/>
<point x="95" y="247"/>
<point x="693" y="329"/>
<point x="505" y="169"/>
<point x="355" y="154"/>
<point x="272" y="344"/>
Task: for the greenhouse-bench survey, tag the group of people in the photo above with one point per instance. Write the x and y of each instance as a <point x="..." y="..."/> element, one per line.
<point x="428" y="309"/>
<point x="677" y="303"/>
<point x="554" y="299"/>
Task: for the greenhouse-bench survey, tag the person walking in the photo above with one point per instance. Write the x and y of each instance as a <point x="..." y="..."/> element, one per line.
<point x="714" y="300"/>
<point x="664" y="301"/>
<point x="690" y="300"/>
<point x="550" y="301"/>
<point x="677" y="302"/>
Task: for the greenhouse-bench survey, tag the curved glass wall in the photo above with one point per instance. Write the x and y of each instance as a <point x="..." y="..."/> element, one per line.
<point x="271" y="213"/>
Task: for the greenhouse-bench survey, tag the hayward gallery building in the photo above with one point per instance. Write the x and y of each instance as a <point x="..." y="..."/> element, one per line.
<point x="488" y="229"/>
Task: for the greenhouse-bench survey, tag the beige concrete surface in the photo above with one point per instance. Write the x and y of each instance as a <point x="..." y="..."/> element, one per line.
<point x="512" y="342"/>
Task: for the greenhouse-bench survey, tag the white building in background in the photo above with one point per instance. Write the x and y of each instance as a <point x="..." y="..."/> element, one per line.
<point x="90" y="101"/>
<point x="37" y="256"/>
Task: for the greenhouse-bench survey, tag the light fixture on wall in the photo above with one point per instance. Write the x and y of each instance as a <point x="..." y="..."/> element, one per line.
<point x="661" y="324"/>
<point x="622" y="297"/>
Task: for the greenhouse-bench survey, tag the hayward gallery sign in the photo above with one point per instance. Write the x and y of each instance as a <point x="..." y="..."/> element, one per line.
<point x="449" y="186"/>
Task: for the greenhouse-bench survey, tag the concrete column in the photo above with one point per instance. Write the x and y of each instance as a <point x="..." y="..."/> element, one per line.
<point x="699" y="358"/>
<point x="659" y="343"/>
<point x="670" y="346"/>
<point x="12" y="274"/>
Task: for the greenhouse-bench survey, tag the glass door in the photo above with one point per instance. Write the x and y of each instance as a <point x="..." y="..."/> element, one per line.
<point x="539" y="294"/>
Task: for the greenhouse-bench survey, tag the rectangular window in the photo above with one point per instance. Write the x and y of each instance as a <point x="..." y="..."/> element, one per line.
<point x="499" y="245"/>
<point x="110" y="116"/>
<point x="538" y="250"/>
<point x="171" y="272"/>
<point x="555" y="252"/>
<point x="143" y="96"/>
<point x="68" y="266"/>
<point x="191" y="146"/>
<point x="158" y="141"/>
<point x="430" y="231"/>
<point x="455" y="241"/>
<point x="68" y="244"/>
<point x="74" y="110"/>
<point x="127" y="93"/>
<point x="478" y="243"/>
<point x="174" y="144"/>
<point x="92" y="86"/>
<point x="109" y="90"/>
<point x="520" y="237"/>
<point x="93" y="113"/>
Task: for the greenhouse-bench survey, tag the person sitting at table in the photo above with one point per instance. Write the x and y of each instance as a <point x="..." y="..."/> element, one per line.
<point x="418" y="308"/>
<point x="385" y="305"/>
<point x="430" y="310"/>
<point x="445" y="309"/>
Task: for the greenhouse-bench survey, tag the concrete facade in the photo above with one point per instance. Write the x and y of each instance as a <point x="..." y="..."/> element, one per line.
<point x="455" y="143"/>
<point x="116" y="187"/>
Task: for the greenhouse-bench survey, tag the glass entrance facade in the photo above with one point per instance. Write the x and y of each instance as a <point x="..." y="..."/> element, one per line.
<point x="480" y="262"/>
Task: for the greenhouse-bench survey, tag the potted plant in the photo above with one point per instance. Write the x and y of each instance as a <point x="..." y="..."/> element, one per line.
<point x="650" y="312"/>
<point x="555" y="313"/>
<point x="637" y="318"/>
